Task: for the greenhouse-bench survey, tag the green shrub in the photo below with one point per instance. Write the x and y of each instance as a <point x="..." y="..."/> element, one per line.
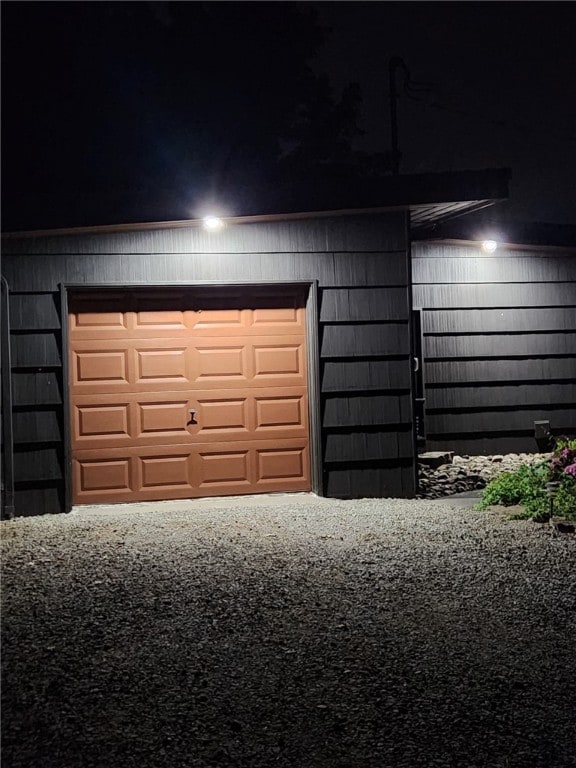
<point x="565" y="500"/>
<point x="527" y="486"/>
<point x="524" y="486"/>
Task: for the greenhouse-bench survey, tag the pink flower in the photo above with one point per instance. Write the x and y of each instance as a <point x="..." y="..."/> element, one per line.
<point x="570" y="469"/>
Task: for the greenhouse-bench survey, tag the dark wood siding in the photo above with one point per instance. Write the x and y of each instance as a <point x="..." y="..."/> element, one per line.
<point x="499" y="335"/>
<point x="360" y="263"/>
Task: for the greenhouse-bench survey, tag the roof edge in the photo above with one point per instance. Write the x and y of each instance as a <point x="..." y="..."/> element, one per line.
<point x="513" y="246"/>
<point x="481" y="187"/>
<point x="190" y="223"/>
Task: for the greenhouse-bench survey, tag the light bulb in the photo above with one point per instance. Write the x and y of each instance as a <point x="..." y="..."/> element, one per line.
<point x="489" y="246"/>
<point x="212" y="223"/>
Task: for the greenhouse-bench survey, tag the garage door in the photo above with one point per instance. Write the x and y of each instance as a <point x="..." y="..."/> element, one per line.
<point x="170" y="402"/>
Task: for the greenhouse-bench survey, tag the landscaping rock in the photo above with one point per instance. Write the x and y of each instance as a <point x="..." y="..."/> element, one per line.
<point x="467" y="473"/>
<point x="435" y="458"/>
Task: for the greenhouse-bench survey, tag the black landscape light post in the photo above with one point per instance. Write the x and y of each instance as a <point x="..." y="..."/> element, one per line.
<point x="552" y="489"/>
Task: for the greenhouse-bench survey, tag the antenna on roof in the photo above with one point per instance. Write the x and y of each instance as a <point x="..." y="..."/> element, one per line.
<point x="410" y="87"/>
<point x="395" y="63"/>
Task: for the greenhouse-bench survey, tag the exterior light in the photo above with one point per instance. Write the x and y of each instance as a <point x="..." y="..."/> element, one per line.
<point x="212" y="223"/>
<point x="489" y="246"/>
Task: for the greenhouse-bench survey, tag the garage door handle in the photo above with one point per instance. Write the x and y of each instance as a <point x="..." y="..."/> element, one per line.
<point x="193" y="413"/>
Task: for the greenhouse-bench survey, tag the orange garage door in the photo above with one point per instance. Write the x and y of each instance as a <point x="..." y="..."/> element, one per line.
<point x="179" y="403"/>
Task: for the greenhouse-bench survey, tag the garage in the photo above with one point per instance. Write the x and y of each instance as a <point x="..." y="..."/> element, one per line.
<point x="168" y="360"/>
<point x="181" y="393"/>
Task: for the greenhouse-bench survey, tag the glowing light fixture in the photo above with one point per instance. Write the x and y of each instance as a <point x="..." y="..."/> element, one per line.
<point x="212" y="223"/>
<point x="489" y="246"/>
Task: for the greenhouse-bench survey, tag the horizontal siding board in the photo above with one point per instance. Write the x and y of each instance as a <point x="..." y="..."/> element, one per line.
<point x="372" y="446"/>
<point x="366" y="411"/>
<point x="499" y="295"/>
<point x="37" y="426"/>
<point x="489" y="269"/>
<point x="372" y="269"/>
<point x="363" y="304"/>
<point x="367" y="232"/>
<point x="35" y="350"/>
<point x="365" y="375"/>
<point x="463" y="251"/>
<point x="32" y="311"/>
<point x="39" y="501"/>
<point x="365" y="340"/>
<point x="38" y="388"/>
<point x="497" y="421"/>
<point x="330" y="269"/>
<point x="370" y="483"/>
<point x="484" y="446"/>
<point x="499" y="320"/>
<point x="511" y="395"/>
<point x="468" y="371"/>
<point x="501" y="345"/>
<point x="42" y="464"/>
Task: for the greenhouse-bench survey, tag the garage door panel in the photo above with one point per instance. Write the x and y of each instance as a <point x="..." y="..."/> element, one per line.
<point x="221" y="322"/>
<point x="291" y="318"/>
<point x="281" y="412"/>
<point x="153" y="321"/>
<point x="89" y="313"/>
<point x="97" y="480"/>
<point x="146" y="365"/>
<point x="224" y="418"/>
<point x="216" y="469"/>
<point x="219" y="364"/>
<point x="166" y="419"/>
<point x="83" y="323"/>
<point x="178" y="323"/>
<point x="276" y="361"/>
<point x="274" y="464"/>
<point x="100" y="368"/>
<point x="101" y="422"/>
<point x="162" y="367"/>
<point x="166" y="472"/>
<point x="105" y="421"/>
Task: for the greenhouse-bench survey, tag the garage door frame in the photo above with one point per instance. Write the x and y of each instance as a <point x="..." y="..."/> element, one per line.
<point x="312" y="352"/>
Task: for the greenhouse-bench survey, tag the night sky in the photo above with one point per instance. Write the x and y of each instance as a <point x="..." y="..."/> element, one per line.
<point x="148" y="111"/>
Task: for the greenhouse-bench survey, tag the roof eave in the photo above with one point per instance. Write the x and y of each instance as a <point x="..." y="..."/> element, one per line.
<point x="430" y="198"/>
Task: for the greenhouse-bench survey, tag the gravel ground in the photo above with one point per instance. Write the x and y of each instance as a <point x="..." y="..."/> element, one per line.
<point x="288" y="631"/>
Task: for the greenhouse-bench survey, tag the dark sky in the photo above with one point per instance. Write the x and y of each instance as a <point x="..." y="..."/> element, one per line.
<point x="124" y="112"/>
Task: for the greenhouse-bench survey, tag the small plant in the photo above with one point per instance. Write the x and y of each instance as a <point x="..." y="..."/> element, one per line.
<point x="527" y="485"/>
<point x="563" y="459"/>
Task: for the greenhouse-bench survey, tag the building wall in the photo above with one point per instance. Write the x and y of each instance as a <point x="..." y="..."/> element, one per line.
<point x="361" y="265"/>
<point x="499" y="345"/>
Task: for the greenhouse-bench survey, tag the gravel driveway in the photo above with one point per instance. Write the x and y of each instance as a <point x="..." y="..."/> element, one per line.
<point x="288" y="631"/>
